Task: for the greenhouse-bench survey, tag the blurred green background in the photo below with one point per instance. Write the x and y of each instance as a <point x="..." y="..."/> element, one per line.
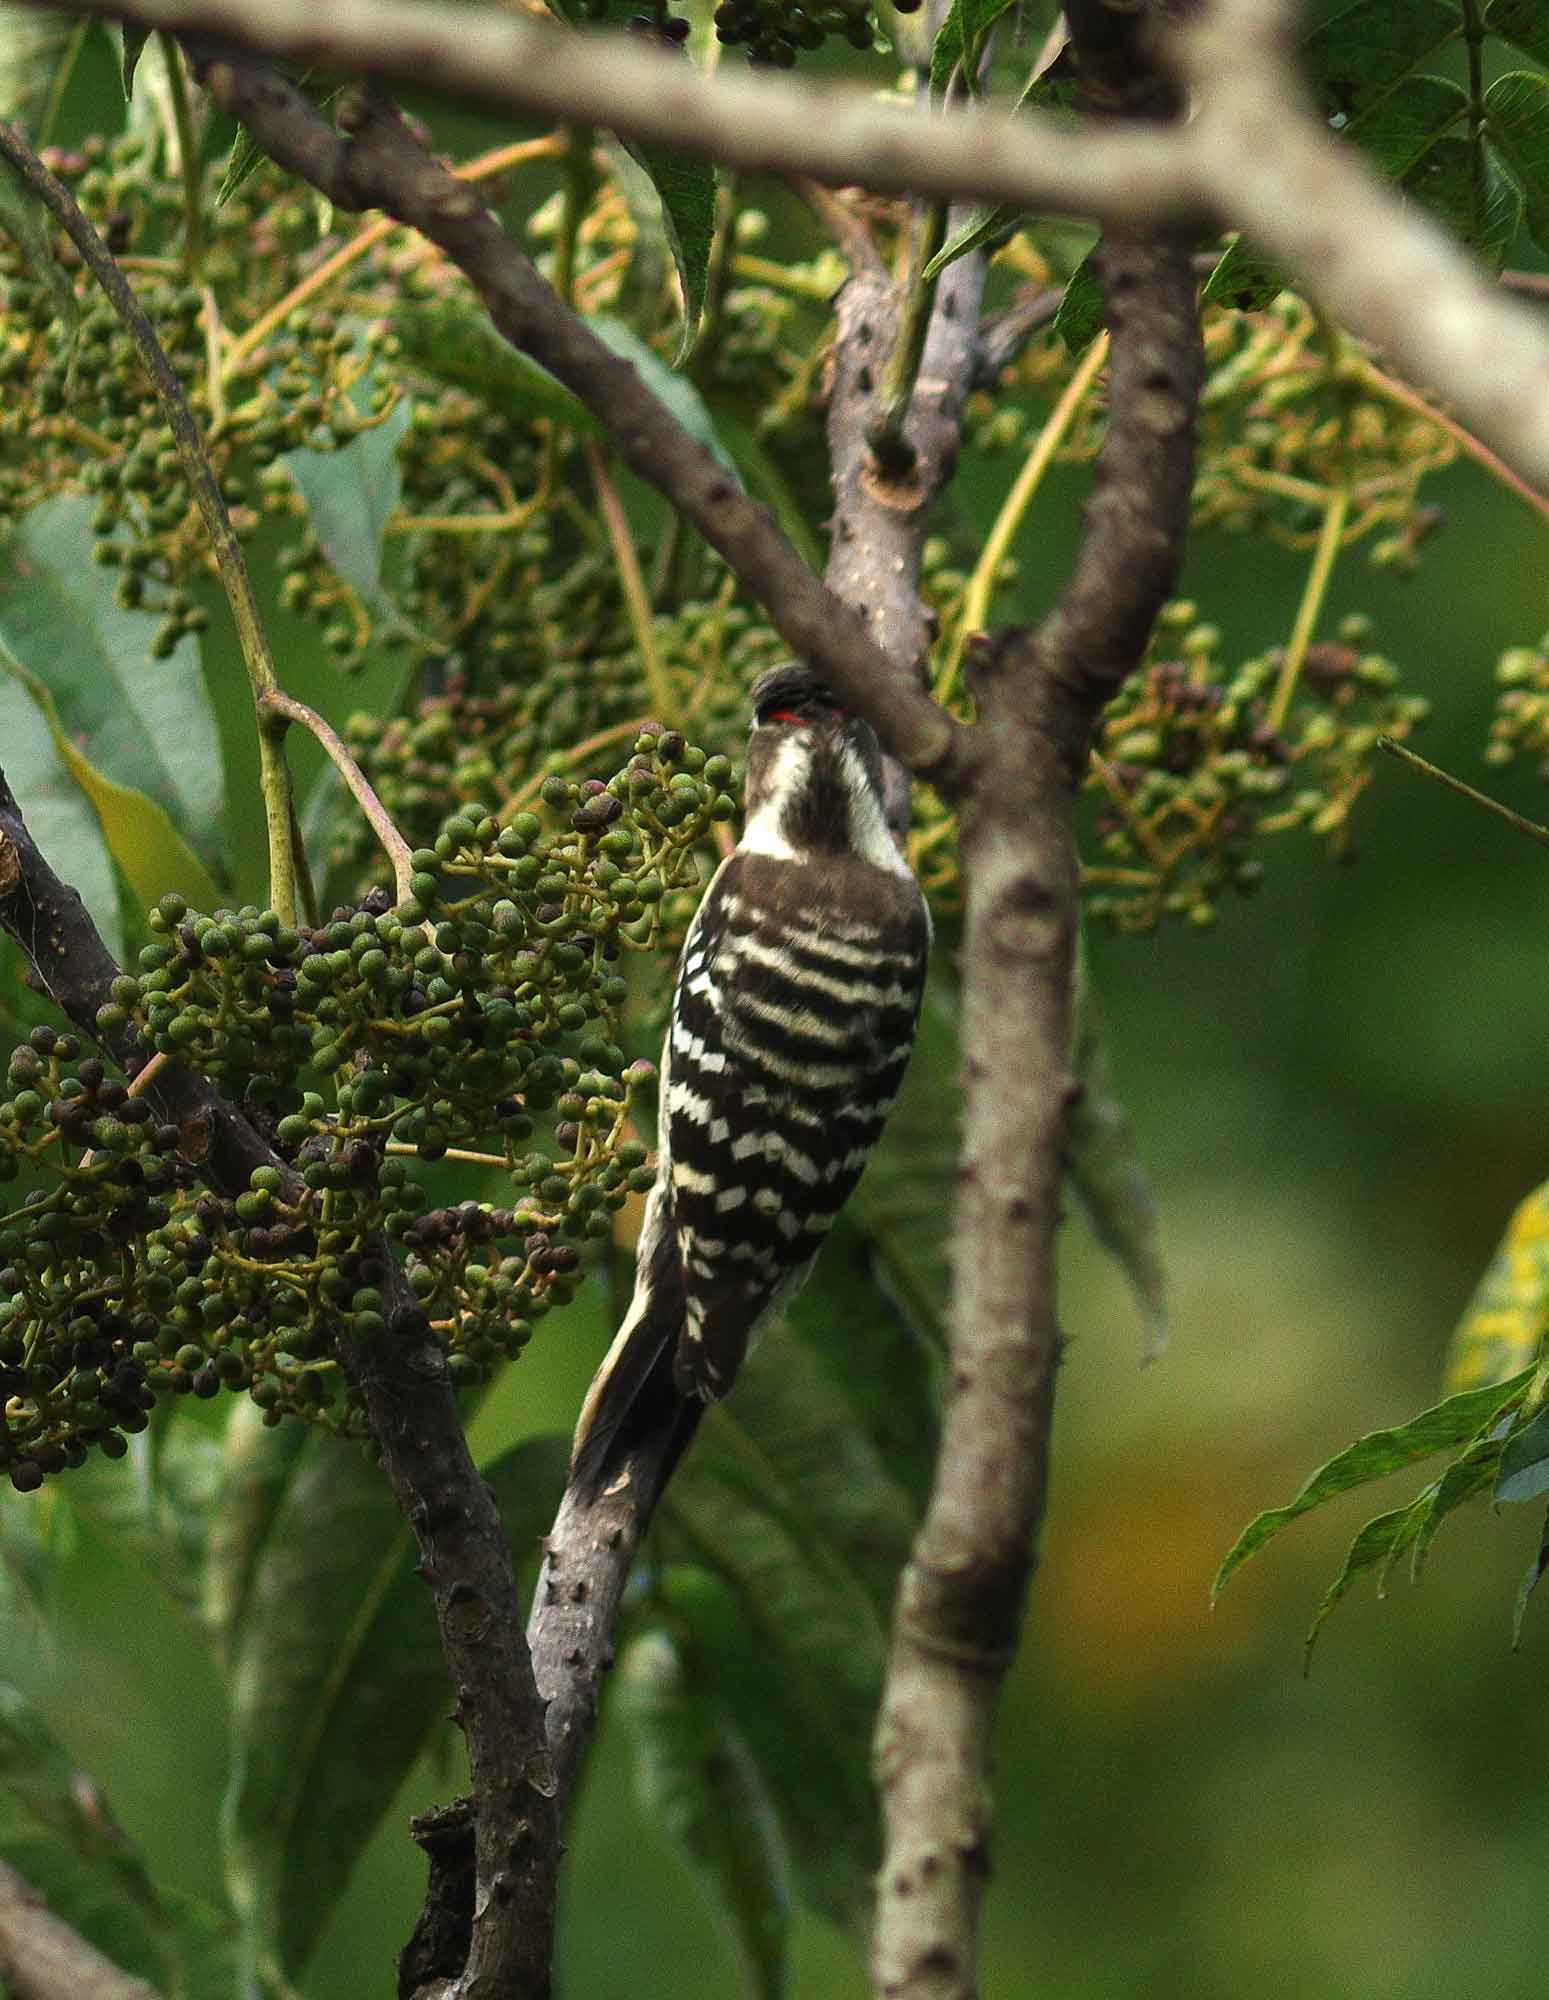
<point x="1339" y="1093"/>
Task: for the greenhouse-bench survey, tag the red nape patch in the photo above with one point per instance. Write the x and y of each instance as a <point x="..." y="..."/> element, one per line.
<point x="784" y="715"/>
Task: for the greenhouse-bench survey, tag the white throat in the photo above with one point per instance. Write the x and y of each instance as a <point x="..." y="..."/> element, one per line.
<point x="766" y="831"/>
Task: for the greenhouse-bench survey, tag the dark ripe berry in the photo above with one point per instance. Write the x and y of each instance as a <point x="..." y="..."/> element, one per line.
<point x="206" y="1383"/>
<point x="42" y="1040"/>
<point x="676" y="29"/>
<point x="91" y="1073"/>
<point x="26" y="1475"/>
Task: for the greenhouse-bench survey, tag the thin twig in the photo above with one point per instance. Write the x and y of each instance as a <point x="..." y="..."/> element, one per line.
<point x="1517" y="821"/>
<point x="391" y="841"/>
<point x="637" y="601"/>
<point x="224" y="545"/>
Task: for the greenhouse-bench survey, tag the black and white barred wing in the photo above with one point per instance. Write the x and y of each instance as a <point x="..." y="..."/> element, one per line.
<point x="791" y="1029"/>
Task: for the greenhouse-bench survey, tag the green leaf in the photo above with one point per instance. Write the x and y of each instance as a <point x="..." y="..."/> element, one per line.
<point x="962" y="31"/>
<point x="796" y="1694"/>
<point x="1524" y="1462"/>
<point x="798" y="1506"/>
<point x="144" y="723"/>
<point x="676" y="392"/>
<point x="141" y="838"/>
<point x="1105" y="1169"/>
<point x="1400" y="129"/>
<point x="57" y="813"/>
<point x="1523" y="22"/>
<point x="1462" y="184"/>
<point x="38" y="51"/>
<point x="131" y="41"/>
<point x="1359" y="54"/>
<point x="904" y="1201"/>
<point x="1377" y="1543"/>
<point x="1517" y="108"/>
<point x="687" y="189"/>
<point x="1082" y="313"/>
<point x="1529" y="1583"/>
<point x="986" y="229"/>
<point x="1243" y="280"/>
<point x="699" y="1778"/>
<point x="338" y="1679"/>
<point x="257" y="1463"/>
<point x="30" y="227"/>
<point x="58" y="1830"/>
<point x="761" y="476"/>
<point x="454" y="342"/>
<point x="152" y="1508"/>
<point x="1374" y="1456"/>
<point x="351" y="494"/>
<point x="1466" y="1476"/>
<point x="1505" y="1321"/>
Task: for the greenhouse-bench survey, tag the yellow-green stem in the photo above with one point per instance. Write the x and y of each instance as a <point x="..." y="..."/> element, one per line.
<point x="227" y="550"/>
<point x="285" y="708"/>
<point x="981" y="585"/>
<point x="188" y="155"/>
<point x="886" y="437"/>
<point x="579" y="182"/>
<point x="636" y="601"/>
<point x="1335" y="513"/>
<point x="1515" y="820"/>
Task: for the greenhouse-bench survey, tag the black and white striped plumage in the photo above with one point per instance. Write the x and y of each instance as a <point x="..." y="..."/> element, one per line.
<point x="794" y="1013"/>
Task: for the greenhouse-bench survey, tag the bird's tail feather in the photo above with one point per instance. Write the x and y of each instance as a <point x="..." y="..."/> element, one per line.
<point x="633" y="1406"/>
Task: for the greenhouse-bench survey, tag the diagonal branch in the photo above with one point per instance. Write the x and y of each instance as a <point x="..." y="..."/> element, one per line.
<point x="378" y="163"/>
<point x="42" y="1958"/>
<point x="1254" y="156"/>
<point x="413" y="1416"/>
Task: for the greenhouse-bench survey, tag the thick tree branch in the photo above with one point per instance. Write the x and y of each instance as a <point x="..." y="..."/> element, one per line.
<point x="1253" y="157"/>
<point x="960" y="1603"/>
<point x="413" y="1415"/>
<point x="378" y="163"/>
<point x="42" y="1958"/>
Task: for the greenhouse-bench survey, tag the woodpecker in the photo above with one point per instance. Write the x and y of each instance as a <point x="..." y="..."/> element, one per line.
<point x="793" y="1016"/>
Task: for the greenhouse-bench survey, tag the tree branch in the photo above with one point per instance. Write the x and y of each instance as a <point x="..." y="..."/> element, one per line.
<point x="960" y="1602"/>
<point x="413" y="1415"/>
<point x="42" y="1958"/>
<point x="378" y="163"/>
<point x="1253" y="157"/>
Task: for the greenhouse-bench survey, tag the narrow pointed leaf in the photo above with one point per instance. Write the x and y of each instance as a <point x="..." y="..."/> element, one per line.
<point x="700" y="1780"/>
<point x="1455" y="1421"/>
<point x="1530" y="1581"/>
<point x="1360" y="53"/>
<point x="1081" y="315"/>
<point x="1374" y="1544"/>
<point x="962" y="31"/>
<point x="152" y="1507"/>
<point x="1467" y="1476"/>
<point x="1505" y="1321"/>
<point x="144" y="723"/>
<point x="1524" y="1462"/>
<point x="38" y="51"/>
<point x="985" y="229"/>
<point x="131" y="41"/>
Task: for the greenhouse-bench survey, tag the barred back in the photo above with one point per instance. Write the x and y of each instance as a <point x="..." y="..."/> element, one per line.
<point x="797" y="999"/>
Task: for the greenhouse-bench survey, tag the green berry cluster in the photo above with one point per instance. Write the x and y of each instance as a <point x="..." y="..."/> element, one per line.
<point x="475" y="1022"/>
<point x="1521" y="724"/>
<point x="1196" y="762"/>
<point x="1282" y="428"/>
<point x="774" y="31"/>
